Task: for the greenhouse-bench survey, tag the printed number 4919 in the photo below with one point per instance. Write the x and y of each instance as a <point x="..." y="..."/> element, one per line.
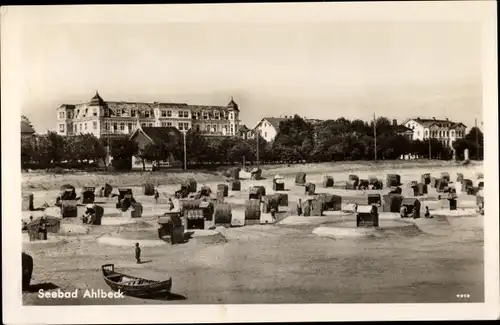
<point x="463" y="295"/>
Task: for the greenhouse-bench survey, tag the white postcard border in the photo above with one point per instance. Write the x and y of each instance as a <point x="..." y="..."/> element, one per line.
<point x="14" y="17"/>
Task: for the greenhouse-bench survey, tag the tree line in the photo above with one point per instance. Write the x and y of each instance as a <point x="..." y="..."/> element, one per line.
<point x="296" y="141"/>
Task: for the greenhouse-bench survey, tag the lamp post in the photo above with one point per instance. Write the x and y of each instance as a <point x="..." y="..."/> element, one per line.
<point x="375" y="135"/>
<point x="430" y="152"/>
<point x="185" y="149"/>
<point x="257" y="133"/>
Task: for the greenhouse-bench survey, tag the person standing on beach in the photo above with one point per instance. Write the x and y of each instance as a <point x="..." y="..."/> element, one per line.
<point x="427" y="213"/>
<point x="42" y="228"/>
<point x="170" y="204"/>
<point x="299" y="207"/>
<point x="137" y="253"/>
<point x="157" y="196"/>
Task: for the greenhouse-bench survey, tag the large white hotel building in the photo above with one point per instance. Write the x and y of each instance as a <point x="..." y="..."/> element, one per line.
<point x="104" y="118"/>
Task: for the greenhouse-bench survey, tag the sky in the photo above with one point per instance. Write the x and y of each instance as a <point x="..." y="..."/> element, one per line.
<point x="320" y="70"/>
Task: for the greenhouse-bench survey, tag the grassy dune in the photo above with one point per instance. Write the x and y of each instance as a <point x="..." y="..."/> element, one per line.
<point x="51" y="181"/>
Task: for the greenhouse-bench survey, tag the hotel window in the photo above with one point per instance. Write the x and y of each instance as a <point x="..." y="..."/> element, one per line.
<point x="186" y="114"/>
<point x="75" y="128"/>
<point x="225" y="129"/>
<point x="163" y="124"/>
<point x="197" y="128"/>
<point x="61" y="115"/>
<point x="94" y="124"/>
<point x="143" y="124"/>
<point x="85" y="125"/>
<point x="214" y="128"/>
<point x="217" y="115"/>
<point x="115" y="126"/>
<point x="232" y="130"/>
<point x="132" y="113"/>
<point x="146" y="114"/>
<point x="169" y="123"/>
<point x="181" y="126"/>
<point x="205" y="115"/>
<point x="452" y="133"/>
<point x="94" y="111"/>
<point x="426" y="133"/>
<point x="207" y="127"/>
<point x="118" y="112"/>
<point x="169" y="113"/>
<point x="231" y="116"/>
<point x="122" y="126"/>
<point x="61" y="127"/>
<point x="163" y="113"/>
<point x="129" y="125"/>
<point x="70" y="115"/>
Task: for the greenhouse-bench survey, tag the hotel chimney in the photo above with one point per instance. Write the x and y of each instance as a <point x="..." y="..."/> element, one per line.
<point x="394" y="122"/>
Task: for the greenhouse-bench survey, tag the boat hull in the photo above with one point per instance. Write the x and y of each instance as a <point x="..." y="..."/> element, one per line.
<point x="135" y="286"/>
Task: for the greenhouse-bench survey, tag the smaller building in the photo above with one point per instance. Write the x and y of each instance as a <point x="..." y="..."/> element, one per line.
<point x="145" y="136"/>
<point x="445" y="131"/>
<point x="27" y="130"/>
<point x="268" y="127"/>
<point x="246" y="133"/>
<point x="402" y="130"/>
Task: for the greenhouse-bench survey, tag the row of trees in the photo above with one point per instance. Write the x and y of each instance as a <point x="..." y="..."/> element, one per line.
<point x="296" y="141"/>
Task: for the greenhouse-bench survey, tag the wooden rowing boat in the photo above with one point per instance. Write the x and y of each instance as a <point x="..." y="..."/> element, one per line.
<point x="134" y="286"/>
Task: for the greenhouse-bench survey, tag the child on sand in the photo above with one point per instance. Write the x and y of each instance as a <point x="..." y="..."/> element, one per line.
<point x="170" y="204"/>
<point x="427" y="213"/>
<point x="137" y="253"/>
<point x="157" y="196"/>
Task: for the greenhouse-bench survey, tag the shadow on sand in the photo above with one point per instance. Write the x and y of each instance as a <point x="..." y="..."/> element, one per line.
<point x="40" y="286"/>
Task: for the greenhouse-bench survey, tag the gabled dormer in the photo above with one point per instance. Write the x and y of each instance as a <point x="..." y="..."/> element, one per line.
<point x="98" y="107"/>
<point x="232" y="105"/>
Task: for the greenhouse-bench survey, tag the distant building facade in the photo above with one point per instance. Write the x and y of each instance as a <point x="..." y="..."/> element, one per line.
<point x="268" y="127"/>
<point x="145" y="136"/>
<point x="445" y="130"/>
<point x="110" y="118"/>
<point x="27" y="131"/>
<point x="246" y="133"/>
<point x="402" y="130"/>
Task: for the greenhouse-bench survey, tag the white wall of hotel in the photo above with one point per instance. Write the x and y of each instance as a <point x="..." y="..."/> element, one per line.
<point x="69" y="122"/>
